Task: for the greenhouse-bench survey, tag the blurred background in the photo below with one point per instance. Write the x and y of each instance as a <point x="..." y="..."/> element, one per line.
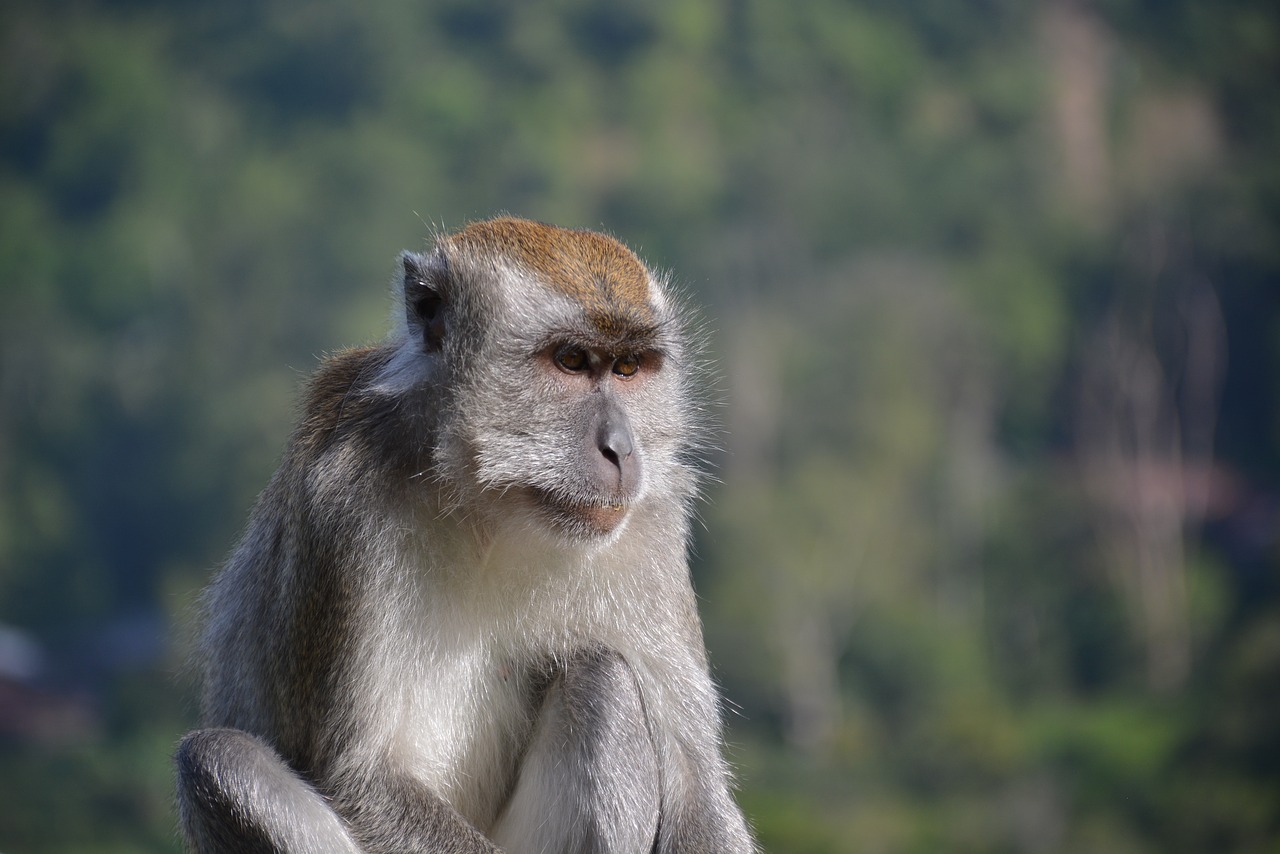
<point x="991" y="564"/>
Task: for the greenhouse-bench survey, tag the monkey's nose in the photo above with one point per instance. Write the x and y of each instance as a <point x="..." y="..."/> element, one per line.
<point x="615" y="442"/>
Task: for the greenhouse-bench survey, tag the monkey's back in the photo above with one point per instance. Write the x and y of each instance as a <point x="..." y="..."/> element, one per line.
<point x="282" y="615"/>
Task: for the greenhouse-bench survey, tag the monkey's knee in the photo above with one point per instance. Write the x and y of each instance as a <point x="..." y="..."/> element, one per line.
<point x="236" y="794"/>
<point x="601" y="689"/>
<point x="589" y="780"/>
<point x="216" y="769"/>
<point x="210" y="763"/>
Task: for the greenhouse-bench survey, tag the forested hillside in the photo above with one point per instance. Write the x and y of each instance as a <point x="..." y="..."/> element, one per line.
<point x="991" y="562"/>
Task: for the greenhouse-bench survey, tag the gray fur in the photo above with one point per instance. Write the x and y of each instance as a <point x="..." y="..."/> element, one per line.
<point x="435" y="636"/>
<point x="592" y="740"/>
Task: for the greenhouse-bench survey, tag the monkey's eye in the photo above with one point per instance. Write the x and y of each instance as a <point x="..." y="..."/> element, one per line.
<point x="627" y="366"/>
<point x="572" y="359"/>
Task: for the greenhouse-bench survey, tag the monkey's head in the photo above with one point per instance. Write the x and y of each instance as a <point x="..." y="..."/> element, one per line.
<point x="554" y="374"/>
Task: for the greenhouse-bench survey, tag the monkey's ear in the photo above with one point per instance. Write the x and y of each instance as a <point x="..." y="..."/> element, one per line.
<point x="424" y="302"/>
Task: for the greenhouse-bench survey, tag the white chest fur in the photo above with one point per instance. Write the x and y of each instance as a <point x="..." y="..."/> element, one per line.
<point x="474" y="651"/>
<point x="467" y="715"/>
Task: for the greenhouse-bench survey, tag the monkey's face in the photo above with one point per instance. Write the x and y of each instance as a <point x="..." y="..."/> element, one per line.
<point x="595" y="388"/>
<point x="559" y="376"/>
<point x="577" y="436"/>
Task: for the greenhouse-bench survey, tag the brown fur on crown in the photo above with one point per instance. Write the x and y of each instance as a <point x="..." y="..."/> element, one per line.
<point x="596" y="271"/>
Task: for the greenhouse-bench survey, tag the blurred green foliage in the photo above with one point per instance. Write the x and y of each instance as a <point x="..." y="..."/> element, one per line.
<point x="992" y="561"/>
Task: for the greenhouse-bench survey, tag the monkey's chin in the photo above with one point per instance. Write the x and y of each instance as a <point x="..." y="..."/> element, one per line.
<point x="602" y="520"/>
<point x="587" y="520"/>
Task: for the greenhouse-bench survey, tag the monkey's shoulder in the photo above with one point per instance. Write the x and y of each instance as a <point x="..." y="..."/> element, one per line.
<point x="338" y="398"/>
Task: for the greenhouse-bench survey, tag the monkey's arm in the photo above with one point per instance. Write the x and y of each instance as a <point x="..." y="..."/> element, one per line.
<point x="284" y="669"/>
<point x="699" y="814"/>
<point x="703" y="818"/>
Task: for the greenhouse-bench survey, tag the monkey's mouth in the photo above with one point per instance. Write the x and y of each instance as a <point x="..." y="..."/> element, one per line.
<point x="602" y="518"/>
<point x="597" y="517"/>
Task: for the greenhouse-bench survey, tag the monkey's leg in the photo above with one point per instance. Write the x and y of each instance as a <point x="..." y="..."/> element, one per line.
<point x="236" y="795"/>
<point x="589" y="780"/>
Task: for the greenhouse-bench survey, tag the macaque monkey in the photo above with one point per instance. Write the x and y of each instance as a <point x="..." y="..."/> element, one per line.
<point x="460" y="619"/>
